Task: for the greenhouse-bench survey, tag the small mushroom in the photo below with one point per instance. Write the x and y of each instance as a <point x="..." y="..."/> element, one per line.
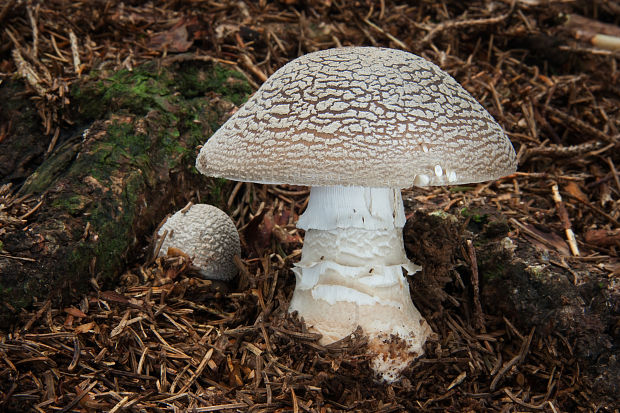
<point x="357" y="124"/>
<point x="205" y="234"/>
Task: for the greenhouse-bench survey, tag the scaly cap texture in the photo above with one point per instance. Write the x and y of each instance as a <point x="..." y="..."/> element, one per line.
<point x="208" y="236"/>
<point x="362" y="116"/>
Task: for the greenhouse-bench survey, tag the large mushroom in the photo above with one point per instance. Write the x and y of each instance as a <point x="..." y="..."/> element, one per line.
<point x="357" y="124"/>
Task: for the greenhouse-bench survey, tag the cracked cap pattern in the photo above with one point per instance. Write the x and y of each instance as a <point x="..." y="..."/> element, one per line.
<point x="208" y="236"/>
<point x="359" y="116"/>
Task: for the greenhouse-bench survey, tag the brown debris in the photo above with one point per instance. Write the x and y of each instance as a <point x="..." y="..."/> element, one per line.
<point x="163" y="340"/>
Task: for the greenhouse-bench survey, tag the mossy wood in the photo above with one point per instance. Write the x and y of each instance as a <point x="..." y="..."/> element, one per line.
<point x="516" y="281"/>
<point x="22" y="141"/>
<point x="107" y="186"/>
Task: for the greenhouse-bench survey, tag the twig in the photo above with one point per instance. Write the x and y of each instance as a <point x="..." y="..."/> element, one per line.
<point x="119" y="405"/>
<point x="398" y="42"/>
<point x="478" y="314"/>
<point x="248" y="64"/>
<point x="589" y="50"/>
<point x="580" y="125"/>
<point x="198" y="371"/>
<point x="54" y="140"/>
<point x="76" y="354"/>
<point x="525" y="346"/>
<point x="220" y="407"/>
<point x="561" y="150"/>
<point x="614" y="173"/>
<point x="564" y="218"/>
<point x="11" y="257"/>
<point x="294" y="401"/>
<point x="186" y="207"/>
<point x="456" y="24"/>
<point x="35" y="28"/>
<point x="544" y="175"/>
<point x="75" y="52"/>
<point x="37" y="315"/>
<point x="27" y="71"/>
<point x="79" y="397"/>
<point x="537" y="237"/>
<point x="524" y="404"/>
<point x="32" y="211"/>
<point x="563" y="264"/>
<point x="595" y="208"/>
<point x="603" y="35"/>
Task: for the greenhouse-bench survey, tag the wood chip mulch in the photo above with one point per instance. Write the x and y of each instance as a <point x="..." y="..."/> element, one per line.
<point x="165" y="340"/>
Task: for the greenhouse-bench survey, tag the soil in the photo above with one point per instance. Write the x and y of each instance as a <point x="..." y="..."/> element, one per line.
<point x="526" y="317"/>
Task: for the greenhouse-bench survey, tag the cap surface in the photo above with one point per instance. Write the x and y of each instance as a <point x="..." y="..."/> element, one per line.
<point x="208" y="236"/>
<point x="359" y="116"/>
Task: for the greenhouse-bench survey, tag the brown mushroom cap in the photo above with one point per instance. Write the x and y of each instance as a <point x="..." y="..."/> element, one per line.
<point x="359" y="116"/>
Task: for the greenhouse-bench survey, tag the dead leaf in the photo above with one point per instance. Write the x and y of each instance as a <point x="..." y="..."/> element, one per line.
<point x="544" y="239"/>
<point x="574" y="189"/>
<point x="613" y="267"/>
<point x="284" y="236"/>
<point x="84" y="328"/>
<point x="256" y="234"/>
<point x="176" y="252"/>
<point x="114" y="296"/>
<point x="75" y="312"/>
<point x="603" y="237"/>
<point x="173" y="40"/>
<point x="458" y="380"/>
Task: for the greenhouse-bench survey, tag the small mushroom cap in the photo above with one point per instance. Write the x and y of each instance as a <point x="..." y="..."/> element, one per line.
<point x="359" y="116"/>
<point x="208" y="236"/>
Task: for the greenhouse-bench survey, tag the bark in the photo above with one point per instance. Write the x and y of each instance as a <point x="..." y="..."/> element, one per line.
<point x="22" y="141"/>
<point x="518" y="281"/>
<point x="106" y="187"/>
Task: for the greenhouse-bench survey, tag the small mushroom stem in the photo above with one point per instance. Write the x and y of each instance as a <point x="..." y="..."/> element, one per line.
<point x="351" y="274"/>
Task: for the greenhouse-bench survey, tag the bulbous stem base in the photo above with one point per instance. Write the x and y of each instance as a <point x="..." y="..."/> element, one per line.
<point x="351" y="274"/>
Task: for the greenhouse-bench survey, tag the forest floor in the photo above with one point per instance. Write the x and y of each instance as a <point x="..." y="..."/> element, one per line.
<point x="526" y="315"/>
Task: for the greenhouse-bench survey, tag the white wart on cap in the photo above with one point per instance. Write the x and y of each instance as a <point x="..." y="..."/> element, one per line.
<point x="360" y="116"/>
<point x="208" y="236"/>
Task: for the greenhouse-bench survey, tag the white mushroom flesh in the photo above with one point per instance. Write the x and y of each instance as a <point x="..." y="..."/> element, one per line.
<point x="351" y="273"/>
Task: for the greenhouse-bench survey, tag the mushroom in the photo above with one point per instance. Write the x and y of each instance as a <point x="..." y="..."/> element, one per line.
<point x="357" y="124"/>
<point x="205" y="234"/>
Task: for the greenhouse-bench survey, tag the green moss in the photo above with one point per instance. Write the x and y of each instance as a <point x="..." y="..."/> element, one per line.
<point x="443" y="215"/>
<point x="19" y="296"/>
<point x="537" y="271"/>
<point x="148" y="123"/>
<point x="195" y="81"/>
<point x="73" y="203"/>
<point x="461" y="188"/>
<point x="115" y="234"/>
<point x="218" y="189"/>
<point x="137" y="91"/>
<point x="496" y="273"/>
<point x="112" y="221"/>
<point x="151" y="87"/>
<point x="475" y="216"/>
<point x="52" y="169"/>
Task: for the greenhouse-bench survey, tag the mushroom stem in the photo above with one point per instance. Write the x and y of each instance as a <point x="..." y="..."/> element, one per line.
<point x="351" y="274"/>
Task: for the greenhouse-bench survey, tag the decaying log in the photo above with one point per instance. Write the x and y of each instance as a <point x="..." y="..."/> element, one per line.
<point x="516" y="283"/>
<point x="108" y="185"/>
